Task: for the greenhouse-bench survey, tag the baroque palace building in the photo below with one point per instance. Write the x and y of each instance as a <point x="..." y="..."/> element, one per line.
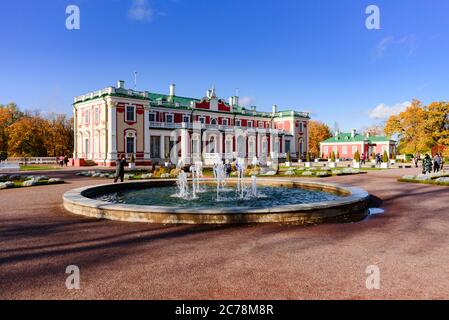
<point x="158" y="128"/>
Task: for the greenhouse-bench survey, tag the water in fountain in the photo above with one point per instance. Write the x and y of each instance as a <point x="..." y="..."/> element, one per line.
<point x="240" y="165"/>
<point x="183" y="187"/>
<point x="220" y="176"/>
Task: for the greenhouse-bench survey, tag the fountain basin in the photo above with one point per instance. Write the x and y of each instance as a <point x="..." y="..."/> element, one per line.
<point x="351" y="205"/>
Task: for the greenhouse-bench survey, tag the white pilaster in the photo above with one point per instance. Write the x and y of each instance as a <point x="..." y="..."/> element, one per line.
<point x="112" y="131"/>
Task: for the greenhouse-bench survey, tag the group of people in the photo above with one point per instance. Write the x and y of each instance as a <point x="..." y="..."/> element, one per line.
<point x="62" y="161"/>
<point x="428" y="163"/>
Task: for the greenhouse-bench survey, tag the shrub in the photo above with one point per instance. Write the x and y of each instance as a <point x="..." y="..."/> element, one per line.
<point x="333" y="156"/>
<point x="385" y="156"/>
<point x="288" y="157"/>
<point x="338" y="154"/>
<point x="3" y="155"/>
<point x="308" y="157"/>
<point x="357" y="156"/>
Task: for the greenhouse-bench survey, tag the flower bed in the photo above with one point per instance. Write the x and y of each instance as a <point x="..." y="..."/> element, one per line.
<point x="440" y="178"/>
<point x="19" y="181"/>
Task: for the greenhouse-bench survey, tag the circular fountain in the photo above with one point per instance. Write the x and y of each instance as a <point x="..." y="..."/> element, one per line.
<point x="219" y="200"/>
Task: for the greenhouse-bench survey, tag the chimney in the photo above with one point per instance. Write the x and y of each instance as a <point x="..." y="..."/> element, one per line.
<point x="353" y="132"/>
<point x="275" y="108"/>
<point x="209" y="94"/>
<point x="172" y="90"/>
<point x="231" y="101"/>
<point x="367" y="135"/>
<point x="121" y="84"/>
<point x="253" y="108"/>
<point x="337" y="132"/>
<point x="236" y="100"/>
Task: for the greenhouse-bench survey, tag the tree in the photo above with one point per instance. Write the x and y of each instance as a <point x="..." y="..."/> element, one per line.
<point x="409" y="125"/>
<point x="357" y="156"/>
<point x="437" y="124"/>
<point x="385" y="157"/>
<point x="26" y="137"/>
<point x="333" y="156"/>
<point x="318" y="132"/>
<point x="8" y="115"/>
<point x="58" y="135"/>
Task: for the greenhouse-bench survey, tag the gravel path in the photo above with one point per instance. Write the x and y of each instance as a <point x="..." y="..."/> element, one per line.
<point x="409" y="243"/>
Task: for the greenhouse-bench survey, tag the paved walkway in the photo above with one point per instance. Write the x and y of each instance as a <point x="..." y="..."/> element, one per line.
<point x="409" y="243"/>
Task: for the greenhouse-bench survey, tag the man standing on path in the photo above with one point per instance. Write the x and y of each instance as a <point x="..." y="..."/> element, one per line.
<point x="120" y="169"/>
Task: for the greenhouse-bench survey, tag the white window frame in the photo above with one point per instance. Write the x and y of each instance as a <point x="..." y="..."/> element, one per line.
<point x="202" y="119"/>
<point x="344" y="150"/>
<point x="225" y="122"/>
<point x="214" y="119"/>
<point x="152" y="113"/>
<point x="97" y="115"/>
<point x="238" y="122"/>
<point x="184" y="117"/>
<point x="169" y="115"/>
<point x="134" y="113"/>
<point x="248" y="124"/>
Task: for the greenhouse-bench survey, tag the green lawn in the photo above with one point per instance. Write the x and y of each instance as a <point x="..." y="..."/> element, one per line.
<point x="38" y="167"/>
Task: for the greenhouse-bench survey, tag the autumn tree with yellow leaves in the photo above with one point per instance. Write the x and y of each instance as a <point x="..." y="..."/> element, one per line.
<point x="317" y="132"/>
<point x="420" y="128"/>
<point x="33" y="134"/>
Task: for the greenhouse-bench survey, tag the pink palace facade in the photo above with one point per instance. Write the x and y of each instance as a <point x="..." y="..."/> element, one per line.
<point x="347" y="144"/>
<point x="158" y="128"/>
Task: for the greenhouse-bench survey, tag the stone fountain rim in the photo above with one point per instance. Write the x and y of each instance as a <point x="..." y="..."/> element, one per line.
<point x="76" y="202"/>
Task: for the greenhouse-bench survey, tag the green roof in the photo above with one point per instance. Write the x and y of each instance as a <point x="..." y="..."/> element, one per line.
<point x="347" y="137"/>
<point x="163" y="100"/>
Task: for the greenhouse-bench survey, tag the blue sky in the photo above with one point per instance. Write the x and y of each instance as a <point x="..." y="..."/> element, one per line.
<point x="312" y="55"/>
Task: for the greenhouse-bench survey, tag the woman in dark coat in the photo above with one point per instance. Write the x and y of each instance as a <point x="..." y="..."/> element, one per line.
<point x="120" y="169"/>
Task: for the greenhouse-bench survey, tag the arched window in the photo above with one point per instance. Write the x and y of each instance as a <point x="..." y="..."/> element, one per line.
<point x="212" y="144"/>
<point x="130" y="142"/>
<point x="213" y="121"/>
<point x="241" y="147"/>
<point x="301" y="146"/>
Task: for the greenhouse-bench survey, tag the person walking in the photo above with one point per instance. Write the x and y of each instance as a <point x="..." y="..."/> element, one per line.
<point x="427" y="164"/>
<point x="66" y="161"/>
<point x="120" y="169"/>
<point x="363" y="158"/>
<point x="436" y="163"/>
<point x="416" y="159"/>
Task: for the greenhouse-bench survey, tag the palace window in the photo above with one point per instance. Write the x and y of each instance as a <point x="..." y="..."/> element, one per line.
<point x="287" y="146"/>
<point x="130" y="113"/>
<point x="224" y="122"/>
<point x="155" y="147"/>
<point x="249" y="124"/>
<point x="186" y="118"/>
<point x="345" y="150"/>
<point x="169" y="118"/>
<point x="129" y="145"/>
<point x="354" y="149"/>
<point x="301" y="127"/>
<point x="260" y="124"/>
<point x="202" y="119"/>
<point x="238" y="123"/>
<point x="86" y="117"/>
<point x="97" y="114"/>
<point x="326" y="150"/>
<point x="213" y="121"/>
<point x="152" y="117"/>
